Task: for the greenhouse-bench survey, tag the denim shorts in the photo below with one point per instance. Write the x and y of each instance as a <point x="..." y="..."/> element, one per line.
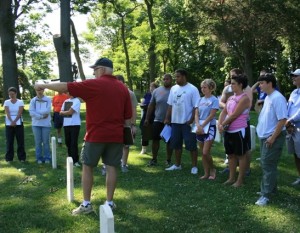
<point x="180" y="133"/>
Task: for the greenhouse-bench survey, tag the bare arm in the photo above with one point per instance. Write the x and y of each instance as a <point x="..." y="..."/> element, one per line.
<point x="253" y="88"/>
<point x="168" y="115"/>
<point x="242" y="106"/>
<point x="150" y="110"/>
<point x="223" y="99"/>
<point x="59" y="87"/>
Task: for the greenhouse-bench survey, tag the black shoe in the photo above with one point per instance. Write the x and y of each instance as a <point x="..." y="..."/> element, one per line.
<point x="152" y="162"/>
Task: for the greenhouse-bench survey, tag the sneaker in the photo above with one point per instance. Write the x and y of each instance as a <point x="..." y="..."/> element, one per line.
<point x="47" y="161"/>
<point x="124" y="168"/>
<point x="22" y="161"/>
<point x="83" y="209"/>
<point x="143" y="152"/>
<point x="225" y="171"/>
<point x="113" y="206"/>
<point x="258" y="159"/>
<point x="39" y="162"/>
<point x="152" y="162"/>
<point x="194" y="170"/>
<point x="173" y="168"/>
<point x="77" y="164"/>
<point x="296" y="182"/>
<point x="103" y="171"/>
<point x="262" y="201"/>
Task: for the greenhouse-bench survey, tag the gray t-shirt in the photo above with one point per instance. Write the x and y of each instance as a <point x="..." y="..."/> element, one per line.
<point x="205" y="105"/>
<point x="159" y="98"/>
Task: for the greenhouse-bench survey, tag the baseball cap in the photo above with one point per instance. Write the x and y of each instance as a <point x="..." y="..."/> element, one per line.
<point x="103" y="62"/>
<point x="296" y="73"/>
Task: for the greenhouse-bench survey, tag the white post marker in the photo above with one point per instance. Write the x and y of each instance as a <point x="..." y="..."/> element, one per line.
<point x="218" y="135"/>
<point x="53" y="144"/>
<point x="70" y="179"/>
<point x="253" y="137"/>
<point x="107" y="224"/>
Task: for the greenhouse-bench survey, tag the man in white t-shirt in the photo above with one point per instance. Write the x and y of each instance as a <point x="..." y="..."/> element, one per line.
<point x="271" y="133"/>
<point x="182" y="103"/>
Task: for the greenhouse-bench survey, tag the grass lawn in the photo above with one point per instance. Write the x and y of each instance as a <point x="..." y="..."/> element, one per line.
<point x="149" y="199"/>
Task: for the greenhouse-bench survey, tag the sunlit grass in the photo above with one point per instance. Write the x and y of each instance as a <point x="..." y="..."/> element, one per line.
<point x="149" y="199"/>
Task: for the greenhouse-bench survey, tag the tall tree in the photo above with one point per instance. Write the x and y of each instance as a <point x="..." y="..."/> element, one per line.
<point x="8" y="15"/>
<point x="152" y="43"/>
<point x="62" y="43"/>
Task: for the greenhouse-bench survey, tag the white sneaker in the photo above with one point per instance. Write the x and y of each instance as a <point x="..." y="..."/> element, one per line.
<point x="194" y="170"/>
<point x="173" y="168"/>
<point x="76" y="164"/>
<point x="297" y="182"/>
<point x="262" y="201"/>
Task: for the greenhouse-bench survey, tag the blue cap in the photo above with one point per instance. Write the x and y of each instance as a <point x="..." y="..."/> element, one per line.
<point x="103" y="62"/>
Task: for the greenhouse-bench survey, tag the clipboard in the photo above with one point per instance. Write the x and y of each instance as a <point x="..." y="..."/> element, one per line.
<point x="166" y="133"/>
<point x="194" y="127"/>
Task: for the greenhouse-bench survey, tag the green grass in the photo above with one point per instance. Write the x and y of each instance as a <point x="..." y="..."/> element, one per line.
<point x="149" y="199"/>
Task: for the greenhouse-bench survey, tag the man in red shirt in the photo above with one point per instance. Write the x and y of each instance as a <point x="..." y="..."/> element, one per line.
<point x="108" y="109"/>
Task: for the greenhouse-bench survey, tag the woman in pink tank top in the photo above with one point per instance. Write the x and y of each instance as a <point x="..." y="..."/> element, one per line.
<point x="233" y="122"/>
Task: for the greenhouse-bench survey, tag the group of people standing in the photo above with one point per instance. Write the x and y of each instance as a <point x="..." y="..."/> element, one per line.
<point x="184" y="107"/>
<point x="110" y="108"/>
<point x="40" y="112"/>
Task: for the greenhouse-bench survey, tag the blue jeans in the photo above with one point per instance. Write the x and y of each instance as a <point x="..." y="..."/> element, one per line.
<point x="42" y="139"/>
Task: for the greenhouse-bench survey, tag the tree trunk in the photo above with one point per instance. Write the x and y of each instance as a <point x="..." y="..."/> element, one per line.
<point x="152" y="45"/>
<point x="248" y="59"/>
<point x="126" y="54"/>
<point x="76" y="51"/>
<point x="62" y="43"/>
<point x="7" y="35"/>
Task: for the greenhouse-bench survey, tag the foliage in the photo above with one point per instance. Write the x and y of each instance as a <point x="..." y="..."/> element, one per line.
<point x="149" y="199"/>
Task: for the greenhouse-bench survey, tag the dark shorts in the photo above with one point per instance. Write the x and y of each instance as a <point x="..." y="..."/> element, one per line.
<point x="211" y="135"/>
<point x="157" y="128"/>
<point x="58" y="120"/>
<point x="180" y="133"/>
<point x="111" y="153"/>
<point x="248" y="134"/>
<point x="235" y="143"/>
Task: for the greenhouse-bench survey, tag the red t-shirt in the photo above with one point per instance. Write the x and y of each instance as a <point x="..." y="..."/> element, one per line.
<point x="108" y="105"/>
<point x="58" y="101"/>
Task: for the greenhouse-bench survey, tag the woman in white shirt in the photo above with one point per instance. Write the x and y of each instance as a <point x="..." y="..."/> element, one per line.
<point x="14" y="126"/>
<point x="71" y="112"/>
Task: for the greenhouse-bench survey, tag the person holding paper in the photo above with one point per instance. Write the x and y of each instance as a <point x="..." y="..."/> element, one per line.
<point x="182" y="103"/>
<point x="158" y="105"/>
<point x="233" y="122"/>
<point x="70" y="110"/>
<point x="205" y="122"/>
<point x="14" y="126"/>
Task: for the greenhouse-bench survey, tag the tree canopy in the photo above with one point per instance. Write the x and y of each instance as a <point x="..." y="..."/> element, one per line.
<point x="148" y="38"/>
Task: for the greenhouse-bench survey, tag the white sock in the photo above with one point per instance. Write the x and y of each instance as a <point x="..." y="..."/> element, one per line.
<point x="109" y="202"/>
<point x="59" y="140"/>
<point x="85" y="203"/>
